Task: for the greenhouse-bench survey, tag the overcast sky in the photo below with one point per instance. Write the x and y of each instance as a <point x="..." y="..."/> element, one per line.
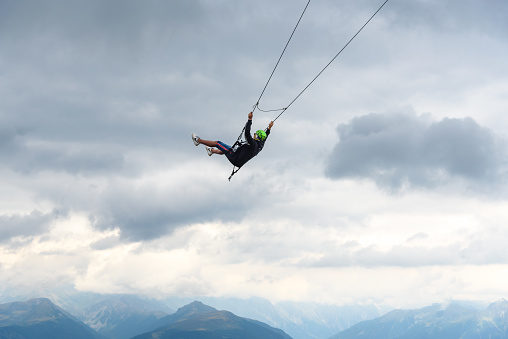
<point x="385" y="182"/>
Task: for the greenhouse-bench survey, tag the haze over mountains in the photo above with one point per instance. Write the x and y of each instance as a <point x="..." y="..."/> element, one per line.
<point x="41" y="319"/>
<point x="123" y="316"/>
<point x="127" y="316"/>
<point x="116" y="316"/>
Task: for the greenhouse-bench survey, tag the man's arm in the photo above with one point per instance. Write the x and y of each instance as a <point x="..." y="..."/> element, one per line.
<point x="268" y="129"/>
<point x="248" y="136"/>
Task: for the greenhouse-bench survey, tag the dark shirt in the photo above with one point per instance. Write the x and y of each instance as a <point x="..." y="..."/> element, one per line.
<point x="246" y="151"/>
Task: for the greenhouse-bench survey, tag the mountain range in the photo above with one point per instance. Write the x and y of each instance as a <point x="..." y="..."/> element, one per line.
<point x="41" y="319"/>
<point x="128" y="316"/>
<point x="115" y="315"/>
<point x="435" y="322"/>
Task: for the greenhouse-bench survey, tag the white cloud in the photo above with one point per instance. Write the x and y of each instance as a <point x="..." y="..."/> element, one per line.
<point x="284" y="260"/>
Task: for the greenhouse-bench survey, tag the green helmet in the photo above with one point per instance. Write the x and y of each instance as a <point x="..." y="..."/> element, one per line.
<point x="261" y="134"/>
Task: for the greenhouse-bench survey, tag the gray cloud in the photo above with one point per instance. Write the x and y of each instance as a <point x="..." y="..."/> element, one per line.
<point x="22" y="153"/>
<point x="78" y="161"/>
<point x="87" y="82"/>
<point x="401" y="149"/>
<point x="447" y="16"/>
<point x="8" y="141"/>
<point x="145" y="211"/>
<point x="29" y="225"/>
<point x="132" y="74"/>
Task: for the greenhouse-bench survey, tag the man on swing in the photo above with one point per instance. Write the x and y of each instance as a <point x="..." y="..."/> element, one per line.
<point x="243" y="153"/>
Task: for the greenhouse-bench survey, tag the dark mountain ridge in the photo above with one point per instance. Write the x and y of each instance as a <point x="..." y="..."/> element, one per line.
<point x="197" y="320"/>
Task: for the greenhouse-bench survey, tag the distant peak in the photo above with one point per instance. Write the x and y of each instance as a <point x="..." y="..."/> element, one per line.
<point x="33" y="310"/>
<point x="194" y="308"/>
<point x="500" y="303"/>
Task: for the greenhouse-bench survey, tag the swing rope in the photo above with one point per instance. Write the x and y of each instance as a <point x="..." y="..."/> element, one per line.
<point x="278" y="61"/>
<point x="317" y="76"/>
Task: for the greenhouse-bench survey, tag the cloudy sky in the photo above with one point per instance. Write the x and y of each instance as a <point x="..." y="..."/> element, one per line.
<point x="385" y="182"/>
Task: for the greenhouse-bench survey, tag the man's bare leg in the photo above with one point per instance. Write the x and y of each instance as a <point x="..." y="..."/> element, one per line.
<point x="208" y="143"/>
<point x="211" y="144"/>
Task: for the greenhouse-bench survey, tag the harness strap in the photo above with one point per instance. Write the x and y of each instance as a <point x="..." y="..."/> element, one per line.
<point x="238" y="143"/>
<point x="239" y="140"/>
<point x="234" y="172"/>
